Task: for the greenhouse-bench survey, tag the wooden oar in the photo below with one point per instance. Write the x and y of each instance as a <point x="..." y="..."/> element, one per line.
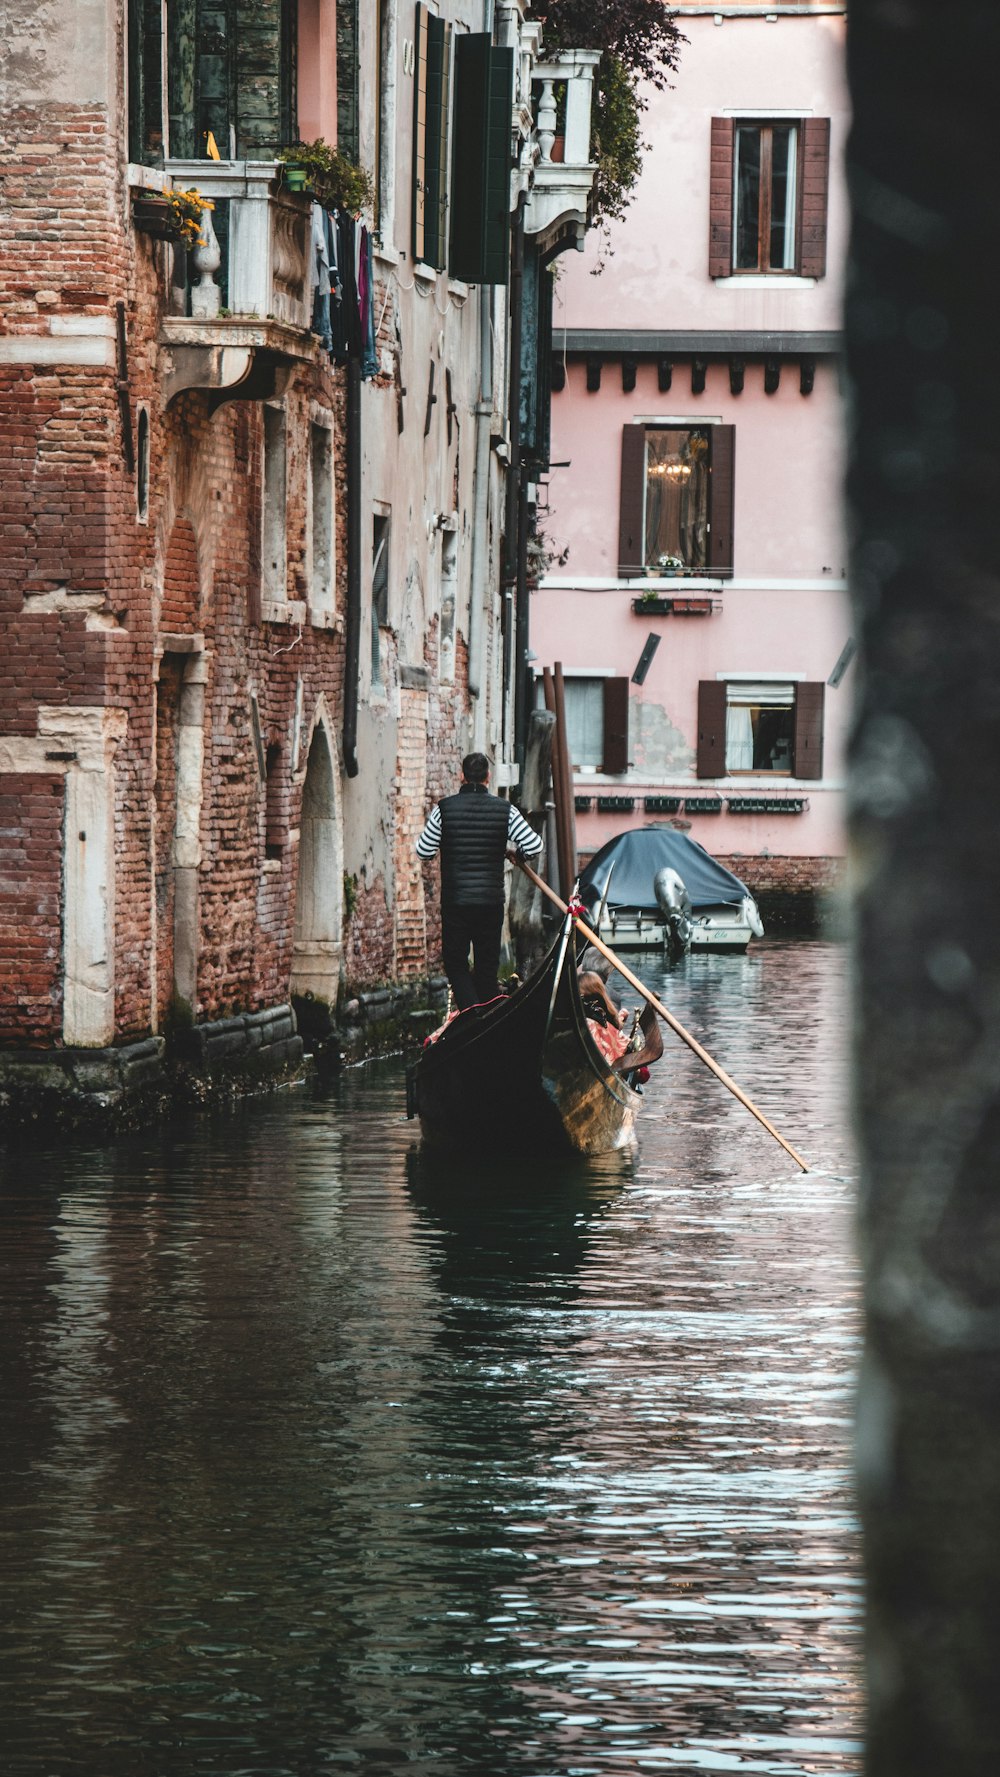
<point x="668" y="1018"/>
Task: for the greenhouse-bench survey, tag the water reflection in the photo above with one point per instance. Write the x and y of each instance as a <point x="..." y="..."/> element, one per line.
<point x="323" y="1454"/>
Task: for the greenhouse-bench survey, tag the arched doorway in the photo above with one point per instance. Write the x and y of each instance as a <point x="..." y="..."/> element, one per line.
<point x="177" y="793"/>
<point x="319" y="896"/>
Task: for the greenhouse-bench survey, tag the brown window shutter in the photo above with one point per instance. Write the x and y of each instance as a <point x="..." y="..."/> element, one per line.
<point x="808" y="755"/>
<point x="631" y="510"/>
<point x="615" y="759"/>
<point x="721" y="501"/>
<point x="814" y="184"/>
<point x="720" y="199"/>
<point x="711" y="728"/>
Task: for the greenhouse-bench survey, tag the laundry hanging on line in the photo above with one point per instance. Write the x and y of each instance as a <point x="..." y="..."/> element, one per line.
<point x="343" y="311"/>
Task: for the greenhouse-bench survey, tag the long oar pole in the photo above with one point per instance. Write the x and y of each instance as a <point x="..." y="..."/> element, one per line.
<point x="668" y="1018"/>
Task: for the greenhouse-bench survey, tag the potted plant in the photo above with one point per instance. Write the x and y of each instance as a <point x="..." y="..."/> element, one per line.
<point x="171" y="215"/>
<point x="669" y="564"/>
<point x="334" y="181"/>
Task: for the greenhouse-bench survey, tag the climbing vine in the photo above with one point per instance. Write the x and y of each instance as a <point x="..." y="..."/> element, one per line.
<point x="641" y="46"/>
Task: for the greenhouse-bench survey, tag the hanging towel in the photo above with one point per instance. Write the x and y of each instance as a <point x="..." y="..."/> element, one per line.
<point x="369" y="353"/>
<point x="320" y="265"/>
<point x="348" y="249"/>
<point x="338" y="311"/>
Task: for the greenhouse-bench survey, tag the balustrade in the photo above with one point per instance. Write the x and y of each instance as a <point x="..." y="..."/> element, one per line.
<point x="266" y="235"/>
<point x="563" y="170"/>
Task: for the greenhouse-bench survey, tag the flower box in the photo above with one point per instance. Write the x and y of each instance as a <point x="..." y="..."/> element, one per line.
<point x="768" y="804"/>
<point x="667" y="605"/>
<point x="154" y="215"/>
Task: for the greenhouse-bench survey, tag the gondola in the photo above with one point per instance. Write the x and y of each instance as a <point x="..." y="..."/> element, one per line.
<point x="523" y="1072"/>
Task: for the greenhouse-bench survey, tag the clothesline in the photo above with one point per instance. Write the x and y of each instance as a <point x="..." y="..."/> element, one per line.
<point x="343" y="307"/>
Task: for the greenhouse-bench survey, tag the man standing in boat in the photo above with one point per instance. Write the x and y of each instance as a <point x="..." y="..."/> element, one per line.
<point x="472" y="831"/>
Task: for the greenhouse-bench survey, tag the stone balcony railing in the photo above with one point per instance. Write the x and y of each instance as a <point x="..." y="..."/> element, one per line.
<point x="244" y="304"/>
<point x="559" y="194"/>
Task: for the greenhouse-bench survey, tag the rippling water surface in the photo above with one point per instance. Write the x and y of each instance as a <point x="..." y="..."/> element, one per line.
<point x="320" y="1455"/>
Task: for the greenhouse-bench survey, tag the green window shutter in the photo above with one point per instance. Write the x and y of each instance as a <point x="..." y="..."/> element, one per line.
<point x="182" y="34"/>
<point x="262" y="59"/>
<point x="479" y="250"/>
<point x="436" y="142"/>
<point x="430" y="137"/>
<point x="421" y="32"/>
<point x="439" y="144"/>
<point x="231" y="65"/>
<point x="145" y="82"/>
<point x="215" y="69"/>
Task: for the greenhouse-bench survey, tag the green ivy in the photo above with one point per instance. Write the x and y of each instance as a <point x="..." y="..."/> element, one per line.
<point x="617" y="144"/>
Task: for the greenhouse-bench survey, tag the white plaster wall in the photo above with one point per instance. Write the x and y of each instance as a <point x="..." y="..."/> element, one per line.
<point x="55" y="53"/>
<point x="437" y="322"/>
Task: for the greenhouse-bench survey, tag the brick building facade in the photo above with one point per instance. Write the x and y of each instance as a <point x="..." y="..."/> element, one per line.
<point x="251" y="604"/>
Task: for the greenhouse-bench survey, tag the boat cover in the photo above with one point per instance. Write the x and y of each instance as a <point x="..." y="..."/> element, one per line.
<point x="638" y="854"/>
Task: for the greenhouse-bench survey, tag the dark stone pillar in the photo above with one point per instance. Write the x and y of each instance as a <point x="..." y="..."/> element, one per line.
<point x="924" y="489"/>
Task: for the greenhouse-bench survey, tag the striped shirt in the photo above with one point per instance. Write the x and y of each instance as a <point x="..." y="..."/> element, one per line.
<point x="519" y="834"/>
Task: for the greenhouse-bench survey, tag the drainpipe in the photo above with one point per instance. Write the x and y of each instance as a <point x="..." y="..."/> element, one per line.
<point x="481" y="503"/>
<point x="515" y="515"/>
<point x="352" y="636"/>
<point x="481" y="507"/>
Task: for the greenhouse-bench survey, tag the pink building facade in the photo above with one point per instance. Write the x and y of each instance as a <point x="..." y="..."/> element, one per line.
<point x="695" y="593"/>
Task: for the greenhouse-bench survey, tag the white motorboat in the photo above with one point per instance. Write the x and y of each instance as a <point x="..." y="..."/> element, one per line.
<point x="654" y="888"/>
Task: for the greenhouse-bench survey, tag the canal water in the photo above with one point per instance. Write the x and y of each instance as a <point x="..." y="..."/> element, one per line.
<point x="322" y="1456"/>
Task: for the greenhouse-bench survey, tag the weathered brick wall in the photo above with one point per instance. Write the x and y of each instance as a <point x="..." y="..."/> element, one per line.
<point x="164" y="781"/>
<point x="370" y="937"/>
<point x="63" y="263"/>
<point x="447" y="744"/>
<point x="88" y="585"/>
<point x="64" y="256"/>
<point x="31" y="819"/>
<point x="786" y="875"/>
<point x="181" y="596"/>
<point x="411" y="943"/>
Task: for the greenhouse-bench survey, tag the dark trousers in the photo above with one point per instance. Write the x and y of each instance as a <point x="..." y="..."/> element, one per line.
<point x="480" y="926"/>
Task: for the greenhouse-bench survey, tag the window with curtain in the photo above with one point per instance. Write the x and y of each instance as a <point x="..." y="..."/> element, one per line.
<point x="597" y="721"/>
<point x="676" y="505"/>
<point x="677" y="480"/>
<point x="760" y="726"/>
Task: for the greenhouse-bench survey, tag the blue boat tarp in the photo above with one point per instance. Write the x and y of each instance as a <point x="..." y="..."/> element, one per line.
<point x="640" y="853"/>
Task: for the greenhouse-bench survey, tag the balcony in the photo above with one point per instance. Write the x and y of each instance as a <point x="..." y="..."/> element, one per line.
<point x="241" y="299"/>
<point x="563" y="173"/>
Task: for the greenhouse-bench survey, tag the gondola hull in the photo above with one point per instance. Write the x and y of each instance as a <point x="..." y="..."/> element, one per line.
<point x="524" y="1074"/>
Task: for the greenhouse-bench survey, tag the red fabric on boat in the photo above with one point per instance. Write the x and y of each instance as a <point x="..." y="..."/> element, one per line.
<point x="435" y="1034"/>
<point x="611" y="1042"/>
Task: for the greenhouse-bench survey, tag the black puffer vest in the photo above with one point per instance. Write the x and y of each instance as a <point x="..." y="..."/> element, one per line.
<point x="473" y="843"/>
